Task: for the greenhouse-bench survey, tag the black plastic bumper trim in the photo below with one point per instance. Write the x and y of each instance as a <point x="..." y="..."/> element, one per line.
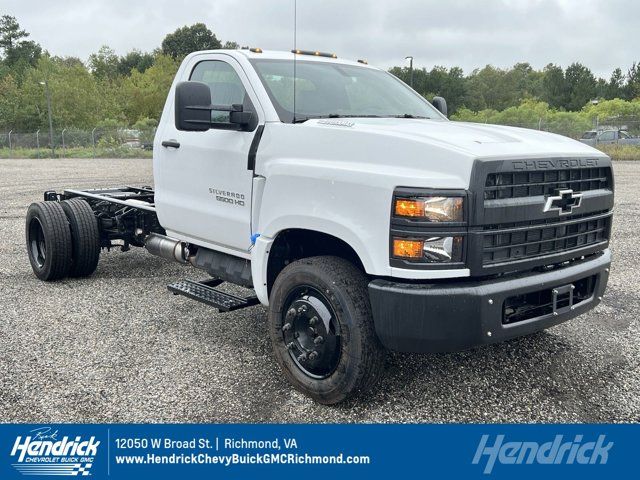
<point x="457" y="315"/>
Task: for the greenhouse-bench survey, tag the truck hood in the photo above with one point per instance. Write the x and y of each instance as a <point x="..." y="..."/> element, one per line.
<point x="391" y="152"/>
<point x="476" y="139"/>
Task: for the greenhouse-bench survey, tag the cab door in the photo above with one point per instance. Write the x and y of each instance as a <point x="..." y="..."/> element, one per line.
<point x="203" y="183"/>
<point x="607" y="137"/>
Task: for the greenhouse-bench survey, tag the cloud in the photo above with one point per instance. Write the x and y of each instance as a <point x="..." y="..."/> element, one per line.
<point x="466" y="33"/>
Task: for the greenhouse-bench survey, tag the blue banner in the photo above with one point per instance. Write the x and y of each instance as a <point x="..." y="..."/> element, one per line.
<point x="318" y="451"/>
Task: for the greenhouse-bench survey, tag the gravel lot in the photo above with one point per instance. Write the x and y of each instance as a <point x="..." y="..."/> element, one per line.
<point x="119" y="348"/>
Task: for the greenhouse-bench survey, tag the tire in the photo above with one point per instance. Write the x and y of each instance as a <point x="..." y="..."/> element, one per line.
<point x="48" y="241"/>
<point x="85" y="236"/>
<point x="350" y="358"/>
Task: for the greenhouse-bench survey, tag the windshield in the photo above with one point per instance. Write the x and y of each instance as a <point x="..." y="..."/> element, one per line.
<point x="326" y="89"/>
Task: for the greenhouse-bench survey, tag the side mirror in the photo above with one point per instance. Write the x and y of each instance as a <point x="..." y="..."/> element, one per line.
<point x="193" y="110"/>
<point x="440" y="104"/>
<point x="192" y="102"/>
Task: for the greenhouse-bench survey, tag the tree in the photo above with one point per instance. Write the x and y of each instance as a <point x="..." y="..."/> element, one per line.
<point x="581" y="86"/>
<point x="76" y="99"/>
<point x="231" y="45"/>
<point x="185" y="40"/>
<point x="554" y="86"/>
<point x="632" y="88"/>
<point x="16" y="49"/>
<point x="145" y="93"/>
<point x="486" y="89"/>
<point x="523" y="82"/>
<point x="602" y="88"/>
<point x="134" y="59"/>
<point x="104" y="63"/>
<point x="9" y="102"/>
<point x="615" y="87"/>
<point x="449" y="84"/>
<point x="10" y="33"/>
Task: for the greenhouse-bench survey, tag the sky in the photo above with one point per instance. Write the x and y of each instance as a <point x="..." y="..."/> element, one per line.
<point x="600" y="34"/>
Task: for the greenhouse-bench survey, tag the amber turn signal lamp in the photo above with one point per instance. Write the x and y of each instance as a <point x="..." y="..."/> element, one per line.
<point x="406" y="207"/>
<point x="404" y="248"/>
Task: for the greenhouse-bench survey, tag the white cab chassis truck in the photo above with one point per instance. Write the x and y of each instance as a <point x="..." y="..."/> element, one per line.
<point x="353" y="209"/>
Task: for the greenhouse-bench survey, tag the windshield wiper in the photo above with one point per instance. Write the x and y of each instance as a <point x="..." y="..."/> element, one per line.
<point x="333" y="115"/>
<point x="409" y="115"/>
<point x="340" y="115"/>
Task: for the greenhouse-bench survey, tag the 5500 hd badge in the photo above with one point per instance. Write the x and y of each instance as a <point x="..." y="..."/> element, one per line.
<point x="226" y="196"/>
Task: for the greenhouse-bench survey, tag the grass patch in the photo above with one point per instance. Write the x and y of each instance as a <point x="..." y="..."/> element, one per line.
<point x="621" y="152"/>
<point x="77" y="152"/>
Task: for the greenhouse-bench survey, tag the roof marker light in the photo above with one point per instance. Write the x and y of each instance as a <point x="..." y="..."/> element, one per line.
<point x="315" y="53"/>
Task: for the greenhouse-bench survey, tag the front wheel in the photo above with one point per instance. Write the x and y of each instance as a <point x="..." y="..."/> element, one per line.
<point x="322" y="330"/>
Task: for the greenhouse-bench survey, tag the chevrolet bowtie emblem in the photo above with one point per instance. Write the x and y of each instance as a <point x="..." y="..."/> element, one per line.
<point x="564" y="202"/>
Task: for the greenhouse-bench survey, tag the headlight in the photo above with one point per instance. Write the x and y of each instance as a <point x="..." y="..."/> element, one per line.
<point x="429" y="250"/>
<point x="432" y="209"/>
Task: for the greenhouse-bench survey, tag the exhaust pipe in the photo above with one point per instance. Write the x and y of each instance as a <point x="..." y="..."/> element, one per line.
<point x="167" y="248"/>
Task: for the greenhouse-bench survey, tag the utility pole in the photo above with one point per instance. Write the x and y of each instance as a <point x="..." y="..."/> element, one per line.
<point x="48" y="95"/>
<point x="410" y="58"/>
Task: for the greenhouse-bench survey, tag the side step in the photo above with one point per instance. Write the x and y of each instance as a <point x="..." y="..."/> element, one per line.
<point x="206" y="293"/>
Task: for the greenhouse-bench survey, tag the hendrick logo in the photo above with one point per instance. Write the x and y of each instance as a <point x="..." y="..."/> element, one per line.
<point x="554" y="163"/>
<point x="44" y="451"/>
<point x="555" y="452"/>
<point x="563" y="203"/>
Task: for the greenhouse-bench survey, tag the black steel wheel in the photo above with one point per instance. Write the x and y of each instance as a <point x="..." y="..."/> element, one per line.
<point x="322" y="331"/>
<point x="311" y="332"/>
<point x="48" y="240"/>
<point x="37" y="243"/>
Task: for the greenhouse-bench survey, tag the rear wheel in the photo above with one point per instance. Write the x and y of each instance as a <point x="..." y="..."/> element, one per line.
<point x="322" y="330"/>
<point x="85" y="236"/>
<point x="48" y="240"/>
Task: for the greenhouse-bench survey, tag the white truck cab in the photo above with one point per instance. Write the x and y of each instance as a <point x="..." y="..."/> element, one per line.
<point x="357" y="212"/>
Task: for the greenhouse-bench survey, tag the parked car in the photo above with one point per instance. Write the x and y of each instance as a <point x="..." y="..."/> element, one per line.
<point x="609" y="137"/>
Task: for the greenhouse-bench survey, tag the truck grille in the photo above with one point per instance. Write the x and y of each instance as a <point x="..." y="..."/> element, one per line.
<point x="528" y="184"/>
<point x="512" y="228"/>
<point x="542" y="238"/>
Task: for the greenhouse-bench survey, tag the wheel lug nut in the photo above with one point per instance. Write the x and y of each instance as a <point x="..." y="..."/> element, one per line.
<point x="291" y="312"/>
<point x="313" y="355"/>
<point x="302" y="357"/>
<point x="313" y="320"/>
<point x="302" y="309"/>
<point x="286" y="327"/>
<point x="318" y="340"/>
<point x="312" y="331"/>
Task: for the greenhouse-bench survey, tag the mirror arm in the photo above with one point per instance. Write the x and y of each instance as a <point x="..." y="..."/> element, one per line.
<point x="236" y="107"/>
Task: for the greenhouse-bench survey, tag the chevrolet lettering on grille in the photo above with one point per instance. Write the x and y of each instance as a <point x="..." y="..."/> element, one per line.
<point x="563" y="202"/>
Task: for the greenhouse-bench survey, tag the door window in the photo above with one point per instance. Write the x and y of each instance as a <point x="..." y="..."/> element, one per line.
<point x="225" y="85"/>
<point x="607" y="136"/>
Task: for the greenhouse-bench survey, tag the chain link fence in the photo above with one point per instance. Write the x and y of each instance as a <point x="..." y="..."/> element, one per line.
<point x="75" y="143"/>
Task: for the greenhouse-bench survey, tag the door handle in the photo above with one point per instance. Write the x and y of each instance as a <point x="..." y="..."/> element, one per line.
<point x="170" y="143"/>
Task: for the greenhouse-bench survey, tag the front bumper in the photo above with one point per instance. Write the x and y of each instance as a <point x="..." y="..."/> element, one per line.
<point x="456" y="315"/>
